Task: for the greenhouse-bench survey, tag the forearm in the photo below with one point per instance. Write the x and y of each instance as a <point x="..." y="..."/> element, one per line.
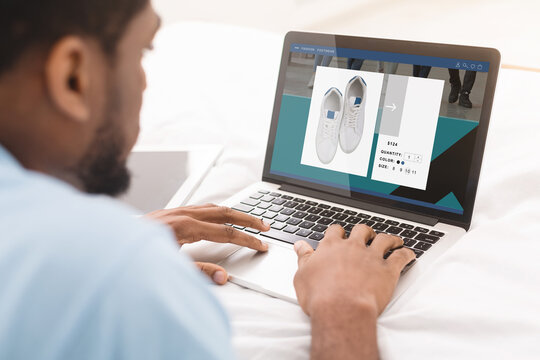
<point x="344" y="332"/>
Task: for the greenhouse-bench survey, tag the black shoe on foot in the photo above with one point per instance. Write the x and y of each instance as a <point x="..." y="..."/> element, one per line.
<point x="454" y="94"/>
<point x="464" y="100"/>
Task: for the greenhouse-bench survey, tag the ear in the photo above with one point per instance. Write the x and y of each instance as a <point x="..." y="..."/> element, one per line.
<point x="67" y="77"/>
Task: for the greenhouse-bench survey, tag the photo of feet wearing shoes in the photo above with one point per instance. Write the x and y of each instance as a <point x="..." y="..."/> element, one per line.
<point x="342" y="119"/>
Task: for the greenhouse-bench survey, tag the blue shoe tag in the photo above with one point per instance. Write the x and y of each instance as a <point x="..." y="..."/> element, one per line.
<point x="331" y="114"/>
<point x="355" y="100"/>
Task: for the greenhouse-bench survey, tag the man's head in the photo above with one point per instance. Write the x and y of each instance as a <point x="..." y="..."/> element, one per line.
<point x="71" y="85"/>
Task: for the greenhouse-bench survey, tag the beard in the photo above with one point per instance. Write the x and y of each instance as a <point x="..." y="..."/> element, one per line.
<point x="102" y="170"/>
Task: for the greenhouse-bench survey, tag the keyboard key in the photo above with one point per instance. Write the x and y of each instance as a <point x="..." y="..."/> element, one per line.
<point x="268" y="198"/>
<point x="409" y="242"/>
<point x="311" y="203"/>
<point x="293" y="221"/>
<point x="312" y="218"/>
<point x="251" y="230"/>
<point x="350" y="212"/>
<point x="324" y="221"/>
<point x="324" y="206"/>
<point x="300" y="214"/>
<point x="368" y="222"/>
<point x="422" y="246"/>
<point x="418" y="252"/>
<point x="302" y="207"/>
<point x="276" y="208"/>
<point x="290" y="229"/>
<point x="327" y="213"/>
<point x="364" y="216"/>
<point x="279" y="201"/>
<point x="319" y="228"/>
<point x="392" y="222"/>
<point x="299" y="200"/>
<point x="256" y="196"/>
<point x="347" y="234"/>
<point x="290" y="204"/>
<point x="278" y="225"/>
<point x="238" y="227"/>
<point x="306" y="225"/>
<point x="336" y="209"/>
<point x="378" y="219"/>
<point x="315" y="210"/>
<point x="243" y="207"/>
<point x="379" y="226"/>
<point x="281" y="218"/>
<point x="286" y="197"/>
<point x="258" y="212"/>
<point x="421" y="229"/>
<point x="340" y="223"/>
<point x="316" y="236"/>
<point x="264" y="205"/>
<point x="275" y="194"/>
<point x="353" y="220"/>
<point x="287" y="212"/>
<point x="287" y="237"/>
<point x="427" y="238"/>
<point x="348" y="227"/>
<point x="394" y="230"/>
<point x="340" y="216"/>
<point x="264" y="192"/>
<point x="406" y="226"/>
<point x="304" y="232"/>
<point x="436" y="233"/>
<point x="270" y="215"/>
<point x="409" y="233"/>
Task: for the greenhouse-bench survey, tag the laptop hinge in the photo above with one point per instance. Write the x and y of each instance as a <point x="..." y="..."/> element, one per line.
<point x="422" y="219"/>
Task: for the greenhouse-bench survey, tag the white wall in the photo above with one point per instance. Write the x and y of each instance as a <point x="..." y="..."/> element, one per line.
<point x="511" y="26"/>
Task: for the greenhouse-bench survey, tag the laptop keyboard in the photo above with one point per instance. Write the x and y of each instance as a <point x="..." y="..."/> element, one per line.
<point x="293" y="219"/>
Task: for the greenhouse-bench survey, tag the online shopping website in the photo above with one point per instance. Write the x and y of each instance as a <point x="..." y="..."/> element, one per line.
<point x="396" y="126"/>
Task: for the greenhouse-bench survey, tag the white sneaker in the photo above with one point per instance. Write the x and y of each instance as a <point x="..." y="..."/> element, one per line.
<point x="329" y="122"/>
<point x="354" y="112"/>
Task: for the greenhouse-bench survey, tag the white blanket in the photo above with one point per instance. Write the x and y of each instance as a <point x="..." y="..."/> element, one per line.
<point x="481" y="300"/>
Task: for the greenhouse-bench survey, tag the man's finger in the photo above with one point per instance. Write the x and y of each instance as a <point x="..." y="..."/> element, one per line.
<point x="303" y="250"/>
<point x="362" y="233"/>
<point x="215" y="272"/>
<point x="384" y="243"/>
<point x="332" y="233"/>
<point x="401" y="258"/>
<point x="227" y="234"/>
<point x="226" y="215"/>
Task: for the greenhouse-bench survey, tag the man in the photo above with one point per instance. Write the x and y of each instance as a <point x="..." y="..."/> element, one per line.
<point x="82" y="278"/>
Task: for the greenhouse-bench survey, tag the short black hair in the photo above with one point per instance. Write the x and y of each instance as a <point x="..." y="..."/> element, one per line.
<point x="41" y="23"/>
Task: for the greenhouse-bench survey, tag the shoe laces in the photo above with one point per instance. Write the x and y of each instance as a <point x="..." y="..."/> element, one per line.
<point x="351" y="116"/>
<point x="329" y="128"/>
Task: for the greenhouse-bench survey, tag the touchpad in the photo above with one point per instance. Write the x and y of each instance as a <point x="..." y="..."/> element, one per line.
<point x="271" y="273"/>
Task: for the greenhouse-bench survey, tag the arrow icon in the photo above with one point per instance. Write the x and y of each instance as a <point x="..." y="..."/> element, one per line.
<point x="393" y="107"/>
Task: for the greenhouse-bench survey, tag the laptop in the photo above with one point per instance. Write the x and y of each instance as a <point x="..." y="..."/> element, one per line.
<point x="380" y="132"/>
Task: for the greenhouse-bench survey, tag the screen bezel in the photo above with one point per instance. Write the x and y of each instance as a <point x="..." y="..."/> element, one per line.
<point x="394" y="46"/>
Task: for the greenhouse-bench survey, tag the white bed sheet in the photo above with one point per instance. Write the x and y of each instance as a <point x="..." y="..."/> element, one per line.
<point x="215" y="84"/>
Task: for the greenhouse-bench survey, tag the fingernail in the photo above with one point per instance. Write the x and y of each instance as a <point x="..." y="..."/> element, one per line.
<point x="219" y="277"/>
<point x="264" y="246"/>
<point x="297" y="246"/>
<point x="266" y="224"/>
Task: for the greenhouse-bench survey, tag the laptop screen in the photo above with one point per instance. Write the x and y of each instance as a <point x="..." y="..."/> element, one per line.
<point x="386" y="125"/>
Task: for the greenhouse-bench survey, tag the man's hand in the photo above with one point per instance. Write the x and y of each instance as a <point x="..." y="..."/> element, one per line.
<point x="345" y="285"/>
<point x="207" y="222"/>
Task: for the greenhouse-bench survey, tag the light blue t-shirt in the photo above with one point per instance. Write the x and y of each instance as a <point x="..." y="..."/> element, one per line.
<point x="82" y="278"/>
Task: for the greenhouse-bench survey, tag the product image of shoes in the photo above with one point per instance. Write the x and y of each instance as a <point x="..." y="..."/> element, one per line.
<point x="464" y="100"/>
<point x="328" y="130"/>
<point x="454" y="94"/>
<point x="354" y="112"/>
